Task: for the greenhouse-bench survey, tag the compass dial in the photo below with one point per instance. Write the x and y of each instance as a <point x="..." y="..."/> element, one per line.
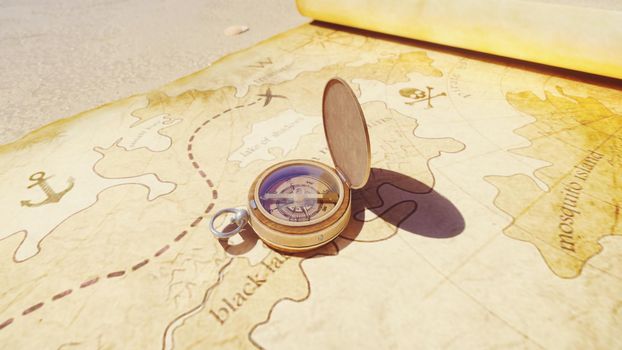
<point x="300" y="194"/>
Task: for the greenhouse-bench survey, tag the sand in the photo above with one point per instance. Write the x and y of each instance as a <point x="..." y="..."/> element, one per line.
<point x="63" y="57"/>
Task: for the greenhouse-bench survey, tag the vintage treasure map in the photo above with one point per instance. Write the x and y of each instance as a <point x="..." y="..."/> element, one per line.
<point x="491" y="218"/>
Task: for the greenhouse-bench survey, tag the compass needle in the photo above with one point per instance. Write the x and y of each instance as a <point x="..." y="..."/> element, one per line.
<point x="300" y="196"/>
<point x="329" y="197"/>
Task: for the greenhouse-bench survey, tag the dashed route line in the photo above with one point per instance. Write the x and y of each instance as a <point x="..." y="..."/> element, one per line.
<point x="120" y="273"/>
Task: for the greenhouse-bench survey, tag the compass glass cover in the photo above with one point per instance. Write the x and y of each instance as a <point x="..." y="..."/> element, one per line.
<point x="301" y="193"/>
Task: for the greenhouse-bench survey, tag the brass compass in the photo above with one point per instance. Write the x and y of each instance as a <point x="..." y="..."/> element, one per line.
<point x="298" y="205"/>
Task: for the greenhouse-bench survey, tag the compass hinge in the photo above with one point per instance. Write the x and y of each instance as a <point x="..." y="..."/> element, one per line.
<point x="342" y="177"/>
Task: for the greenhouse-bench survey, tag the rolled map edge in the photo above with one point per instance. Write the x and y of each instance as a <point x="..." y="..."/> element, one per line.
<point x="573" y="37"/>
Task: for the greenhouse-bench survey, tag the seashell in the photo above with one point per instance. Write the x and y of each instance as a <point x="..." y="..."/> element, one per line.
<point x="235" y="30"/>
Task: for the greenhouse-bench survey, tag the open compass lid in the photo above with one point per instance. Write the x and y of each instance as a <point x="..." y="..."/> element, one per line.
<point x="346" y="133"/>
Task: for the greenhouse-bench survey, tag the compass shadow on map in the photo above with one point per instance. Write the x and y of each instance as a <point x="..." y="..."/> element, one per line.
<point x="248" y="240"/>
<point x="404" y="203"/>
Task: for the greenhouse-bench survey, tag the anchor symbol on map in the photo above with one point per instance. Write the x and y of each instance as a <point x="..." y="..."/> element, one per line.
<point x="52" y="196"/>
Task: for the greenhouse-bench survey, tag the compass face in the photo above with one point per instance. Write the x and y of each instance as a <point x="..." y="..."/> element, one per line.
<point x="300" y="194"/>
